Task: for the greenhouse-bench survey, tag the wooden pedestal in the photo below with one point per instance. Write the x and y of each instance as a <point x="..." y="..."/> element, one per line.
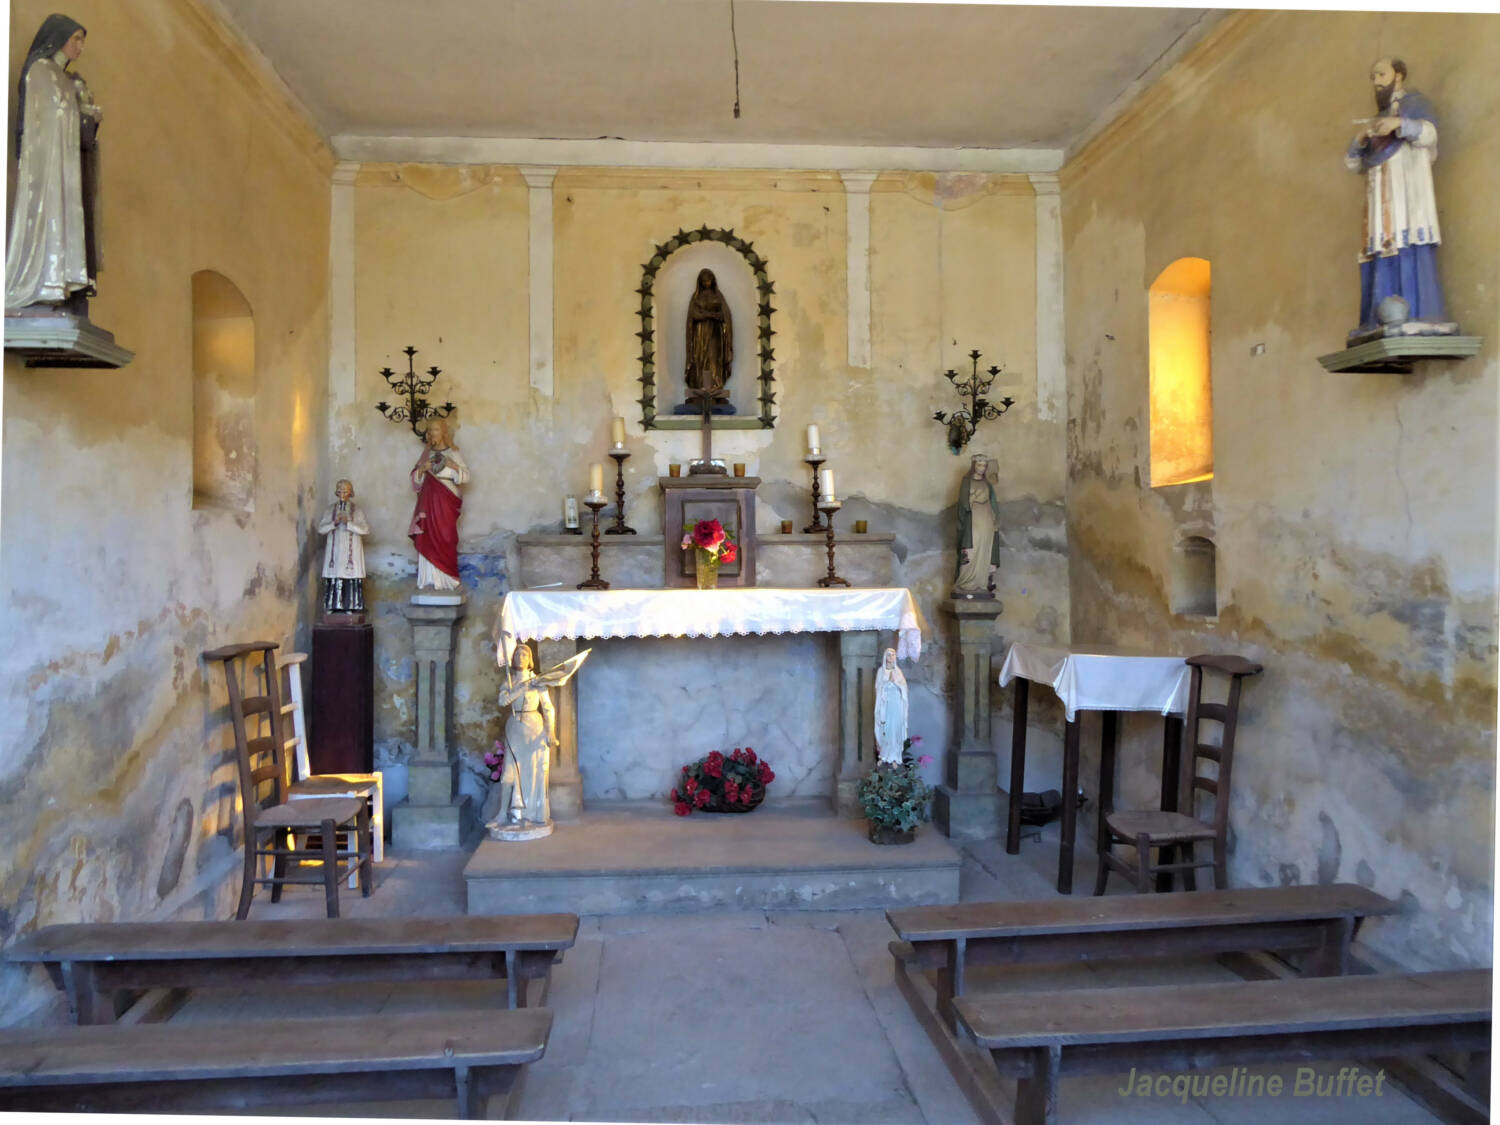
<point x="341" y="735"/>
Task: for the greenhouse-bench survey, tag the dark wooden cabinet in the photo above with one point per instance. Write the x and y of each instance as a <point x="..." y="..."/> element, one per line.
<point x="731" y="501"/>
<point x="341" y="726"/>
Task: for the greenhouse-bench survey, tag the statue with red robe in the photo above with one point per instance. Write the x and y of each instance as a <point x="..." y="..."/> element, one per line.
<point x="438" y="478"/>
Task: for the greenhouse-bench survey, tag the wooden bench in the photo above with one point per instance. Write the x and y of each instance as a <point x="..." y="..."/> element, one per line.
<point x="200" y="1066"/>
<point x="1321" y="920"/>
<point x="101" y="966"/>
<point x="1041" y="1037"/>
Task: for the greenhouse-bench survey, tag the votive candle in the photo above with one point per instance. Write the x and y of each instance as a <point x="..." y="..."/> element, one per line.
<point x="812" y="440"/>
<point x="617" y="432"/>
<point x="825" y="485"/>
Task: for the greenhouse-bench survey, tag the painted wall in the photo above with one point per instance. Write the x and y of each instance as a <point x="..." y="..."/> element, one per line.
<point x="1353" y="514"/>
<point x="439" y="260"/>
<point x="116" y="799"/>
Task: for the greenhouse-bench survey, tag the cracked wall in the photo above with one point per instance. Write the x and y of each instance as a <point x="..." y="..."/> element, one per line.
<point x="441" y="262"/>
<point x="1353" y="514"/>
<point x="117" y="785"/>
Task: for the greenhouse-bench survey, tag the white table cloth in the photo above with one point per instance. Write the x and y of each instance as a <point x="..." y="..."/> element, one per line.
<point x="1090" y="678"/>
<point x="528" y="615"/>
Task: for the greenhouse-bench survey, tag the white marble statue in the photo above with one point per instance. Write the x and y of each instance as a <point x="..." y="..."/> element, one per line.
<point x="890" y="710"/>
<point x="530" y="740"/>
<point x="52" y="254"/>
<point x="345" y="526"/>
<point x="978" y="529"/>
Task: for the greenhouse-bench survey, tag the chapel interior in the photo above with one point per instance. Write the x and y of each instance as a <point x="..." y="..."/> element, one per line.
<point x="1136" y="223"/>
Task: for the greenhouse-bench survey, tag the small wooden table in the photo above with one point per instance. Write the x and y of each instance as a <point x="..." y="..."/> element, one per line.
<point x="97" y="963"/>
<point x="1093" y="678"/>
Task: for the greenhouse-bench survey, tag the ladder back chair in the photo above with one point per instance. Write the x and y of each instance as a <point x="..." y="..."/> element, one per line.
<point x="1177" y="832"/>
<point x="273" y="822"/>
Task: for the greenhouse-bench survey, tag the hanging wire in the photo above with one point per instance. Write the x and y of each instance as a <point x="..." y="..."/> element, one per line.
<point x="734" y="39"/>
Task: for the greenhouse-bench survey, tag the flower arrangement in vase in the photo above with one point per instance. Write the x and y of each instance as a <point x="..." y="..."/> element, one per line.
<point x="711" y="547"/>
<point x="719" y="784"/>
<point x="895" y="797"/>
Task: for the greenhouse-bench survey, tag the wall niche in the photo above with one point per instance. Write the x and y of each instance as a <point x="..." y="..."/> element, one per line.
<point x="1194" y="578"/>
<point x="223" y="395"/>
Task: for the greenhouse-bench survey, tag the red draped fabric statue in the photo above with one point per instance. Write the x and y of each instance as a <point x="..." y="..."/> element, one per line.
<point x="437" y="477"/>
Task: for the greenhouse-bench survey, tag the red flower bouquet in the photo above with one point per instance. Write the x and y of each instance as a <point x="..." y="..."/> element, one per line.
<point x="736" y="783"/>
<point x="709" y="536"/>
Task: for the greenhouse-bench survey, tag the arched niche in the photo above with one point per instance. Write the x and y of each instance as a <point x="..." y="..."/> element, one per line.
<point x="667" y="283"/>
<point x="1182" y="430"/>
<point x="1194" y="579"/>
<point x="223" y="395"/>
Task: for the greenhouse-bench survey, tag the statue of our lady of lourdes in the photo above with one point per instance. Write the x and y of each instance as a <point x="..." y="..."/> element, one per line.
<point x="52" y="256"/>
<point x="890" y="710"/>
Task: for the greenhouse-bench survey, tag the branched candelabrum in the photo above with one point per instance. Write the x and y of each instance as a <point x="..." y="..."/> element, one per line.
<point x="414" y="388"/>
<point x="963" y="422"/>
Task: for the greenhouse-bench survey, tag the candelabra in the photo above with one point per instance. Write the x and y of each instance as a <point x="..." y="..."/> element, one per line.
<point x="594" y="581"/>
<point x="963" y="422"/>
<point x="828" y="507"/>
<point x="415" y="388"/>
<point x="813" y="460"/>
<point x="620" y="529"/>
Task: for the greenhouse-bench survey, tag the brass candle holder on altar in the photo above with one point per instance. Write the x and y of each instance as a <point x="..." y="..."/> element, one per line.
<point x="594" y="582"/>
<point x="813" y="460"/>
<point x="619" y="456"/>
<point x="828" y="507"/>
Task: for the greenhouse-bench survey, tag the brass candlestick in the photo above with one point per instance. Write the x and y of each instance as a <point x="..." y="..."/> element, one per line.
<point x="830" y="579"/>
<point x="619" y="529"/>
<point x="814" y="460"/>
<point x="594" y="581"/>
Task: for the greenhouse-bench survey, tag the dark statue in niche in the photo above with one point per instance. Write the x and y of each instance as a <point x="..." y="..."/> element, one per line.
<point x="710" y="347"/>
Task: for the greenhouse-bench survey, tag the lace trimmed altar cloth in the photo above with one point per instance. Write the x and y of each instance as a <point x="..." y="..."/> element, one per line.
<point x="532" y="615"/>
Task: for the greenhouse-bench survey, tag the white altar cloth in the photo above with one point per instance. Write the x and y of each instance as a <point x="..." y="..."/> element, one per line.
<point x="528" y="615"/>
<point x="1102" y="679"/>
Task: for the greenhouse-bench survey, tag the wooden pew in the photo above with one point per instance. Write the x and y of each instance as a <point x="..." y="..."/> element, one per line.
<point x="1319" y="920"/>
<point x="468" y="1056"/>
<point x="102" y="965"/>
<point x="1041" y="1037"/>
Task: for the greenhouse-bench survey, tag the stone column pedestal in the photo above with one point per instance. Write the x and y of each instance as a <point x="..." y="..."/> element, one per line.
<point x="564" y="780"/>
<point x="434" y="814"/>
<point x="858" y="657"/>
<point x="968" y="806"/>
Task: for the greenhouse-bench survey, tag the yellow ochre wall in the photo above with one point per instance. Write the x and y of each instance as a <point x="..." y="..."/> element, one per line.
<point x="116" y="801"/>
<point x="1353" y="514"/>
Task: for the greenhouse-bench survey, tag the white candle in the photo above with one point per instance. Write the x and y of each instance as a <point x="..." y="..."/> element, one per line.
<point x="825" y="485"/>
<point x="617" y="432"/>
<point x="812" y="440"/>
<point x="596" y="479"/>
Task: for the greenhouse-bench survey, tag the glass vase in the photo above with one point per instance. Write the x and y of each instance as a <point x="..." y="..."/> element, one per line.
<point x="707" y="566"/>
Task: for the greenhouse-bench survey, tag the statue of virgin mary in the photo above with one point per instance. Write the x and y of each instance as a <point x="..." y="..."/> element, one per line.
<point x="53" y="255"/>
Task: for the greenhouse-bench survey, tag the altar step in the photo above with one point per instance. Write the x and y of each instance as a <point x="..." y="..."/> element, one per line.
<point x="638" y="858"/>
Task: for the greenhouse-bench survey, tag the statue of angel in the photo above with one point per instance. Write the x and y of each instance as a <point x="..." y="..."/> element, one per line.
<point x="530" y="739"/>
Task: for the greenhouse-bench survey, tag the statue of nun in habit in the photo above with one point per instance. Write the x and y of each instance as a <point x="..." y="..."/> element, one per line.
<point x="52" y="256"/>
<point x="890" y="710"/>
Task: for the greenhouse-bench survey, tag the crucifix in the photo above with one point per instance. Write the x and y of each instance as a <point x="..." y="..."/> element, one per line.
<point x="705" y="466"/>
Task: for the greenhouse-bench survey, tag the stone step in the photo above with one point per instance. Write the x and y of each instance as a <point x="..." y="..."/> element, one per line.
<point x="634" y="858"/>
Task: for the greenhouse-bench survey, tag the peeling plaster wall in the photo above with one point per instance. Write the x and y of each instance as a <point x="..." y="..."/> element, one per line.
<point x="117" y="798"/>
<point x="440" y="261"/>
<point x="1354" y="514"/>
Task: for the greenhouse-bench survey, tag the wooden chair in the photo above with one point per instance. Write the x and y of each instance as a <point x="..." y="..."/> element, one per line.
<point x="366" y="786"/>
<point x="273" y="823"/>
<point x="1170" y="831"/>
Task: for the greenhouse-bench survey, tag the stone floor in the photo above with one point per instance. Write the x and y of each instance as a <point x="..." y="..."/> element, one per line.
<point x="757" y="1016"/>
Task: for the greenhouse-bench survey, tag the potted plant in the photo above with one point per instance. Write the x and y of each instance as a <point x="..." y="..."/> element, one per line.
<point x="718" y="784"/>
<point x="711" y="547"/>
<point x="895" y="798"/>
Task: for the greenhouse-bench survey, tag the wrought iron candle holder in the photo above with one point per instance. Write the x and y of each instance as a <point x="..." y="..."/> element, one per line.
<point x="831" y="578"/>
<point x="417" y="409"/>
<point x="619" y="529"/>
<point x="963" y="422"/>
<point x="594" y="582"/>
<point x="813" y="461"/>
